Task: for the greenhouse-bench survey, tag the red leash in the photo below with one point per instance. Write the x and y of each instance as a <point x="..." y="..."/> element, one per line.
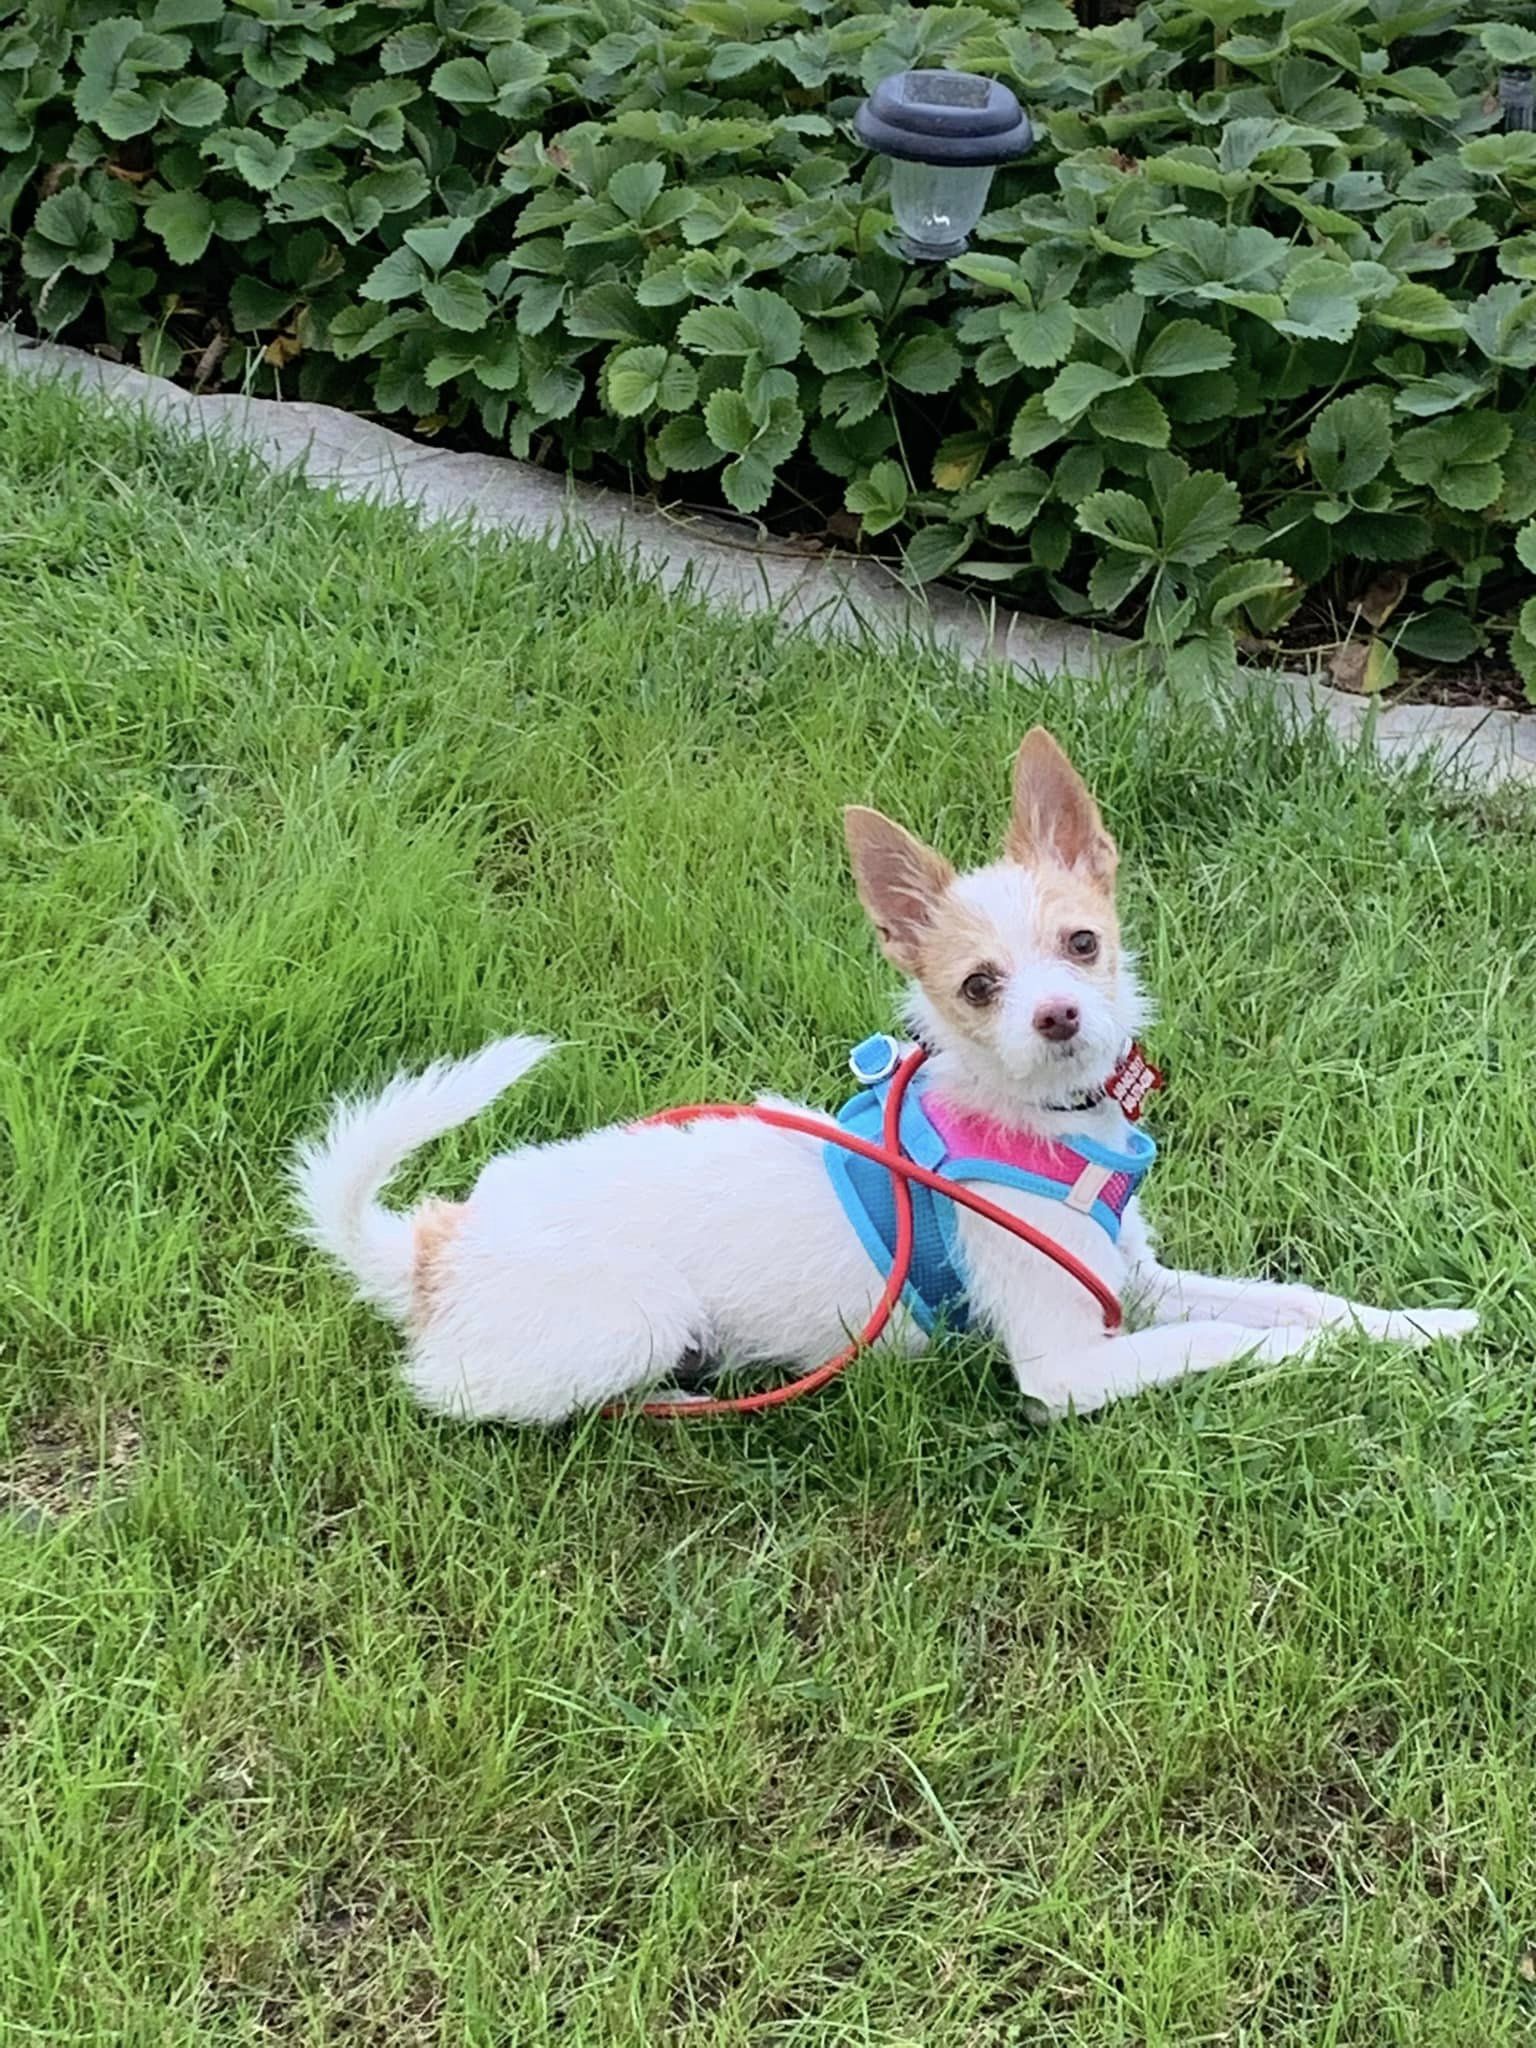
<point x="903" y="1172"/>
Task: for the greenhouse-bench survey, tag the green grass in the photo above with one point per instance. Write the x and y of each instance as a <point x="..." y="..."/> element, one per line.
<point x="887" y="1720"/>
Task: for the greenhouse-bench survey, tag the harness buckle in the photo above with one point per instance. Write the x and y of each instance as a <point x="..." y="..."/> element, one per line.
<point x="874" y="1060"/>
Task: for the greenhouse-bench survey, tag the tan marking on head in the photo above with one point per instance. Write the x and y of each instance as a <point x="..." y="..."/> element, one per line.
<point x="1055" y="820"/>
<point x="434" y="1226"/>
<point x="963" y="938"/>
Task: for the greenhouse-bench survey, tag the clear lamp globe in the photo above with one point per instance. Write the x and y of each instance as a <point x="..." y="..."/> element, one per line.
<point x="937" y="207"/>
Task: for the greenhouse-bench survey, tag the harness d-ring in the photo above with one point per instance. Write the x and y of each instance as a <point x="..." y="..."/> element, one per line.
<point x="903" y="1172"/>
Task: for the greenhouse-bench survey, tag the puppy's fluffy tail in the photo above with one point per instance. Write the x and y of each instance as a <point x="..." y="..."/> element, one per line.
<point x="339" y="1176"/>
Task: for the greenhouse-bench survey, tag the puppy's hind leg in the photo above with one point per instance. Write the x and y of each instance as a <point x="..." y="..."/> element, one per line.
<point x="546" y="1342"/>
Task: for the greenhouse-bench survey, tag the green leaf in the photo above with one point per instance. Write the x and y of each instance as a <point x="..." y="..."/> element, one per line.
<point x="394" y="188"/>
<point x="748" y="481"/>
<point x="1015" y="496"/>
<point x="686" y="444"/>
<point x="1033" y="429"/>
<point x="926" y="363"/>
<point x="834" y="345"/>
<point x="1321" y="311"/>
<point x="1447" y="391"/>
<point x="606" y="312"/>
<point x="851" y="396"/>
<point x="254" y="304"/>
<point x="716" y="331"/>
<point x="779" y="427"/>
<point x="159" y="356"/>
<point x="63" y="298"/>
<point x="1525" y="546"/>
<point x="493" y="358"/>
<point x="772" y="321"/>
<point x="118" y="91"/>
<point x="1116" y="323"/>
<point x="1112" y="579"/>
<point x="1200" y="516"/>
<point x="996" y="273"/>
<point x="1350" y="442"/>
<point x="400" y="274"/>
<point x="66" y="234"/>
<point x="1522" y="652"/>
<point x="1380" y="670"/>
<point x="409" y="48"/>
<point x="934" y="550"/>
<point x="464" y="82"/>
<point x="959" y="458"/>
<point x="1241" y="583"/>
<point x="1134" y="415"/>
<point x="730" y="60"/>
<point x="633" y="379"/>
<point x="252" y="155"/>
<point x="730" y="422"/>
<point x="1185" y="348"/>
<point x="1121" y="520"/>
<point x="236" y="220"/>
<point x="1507" y="43"/>
<point x="437" y="242"/>
<point x="1070" y="394"/>
<point x="539" y="302"/>
<point x="183" y="221"/>
<point x="1509" y="154"/>
<point x="1039" y="340"/>
<point x="194" y="102"/>
<point x="879" y="497"/>
<point x="635" y="189"/>
<point x="186" y="13"/>
<point x="1419" y="310"/>
<point x="1517" y="256"/>
<point x="1502" y="323"/>
<point x="374" y="113"/>
<point x="1203" y="665"/>
<point x="458" y="301"/>
<point x="679" y="386"/>
<point x="1079" y="470"/>
<point x="555" y="389"/>
<point x="1440" y="636"/>
<point x="1458" y="458"/>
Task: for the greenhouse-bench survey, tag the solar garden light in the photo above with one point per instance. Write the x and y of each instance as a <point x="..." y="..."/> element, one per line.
<point x="945" y="132"/>
<point x="1517" y="96"/>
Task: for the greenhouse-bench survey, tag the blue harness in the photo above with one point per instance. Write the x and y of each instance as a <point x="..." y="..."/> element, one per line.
<point x="1094" y="1179"/>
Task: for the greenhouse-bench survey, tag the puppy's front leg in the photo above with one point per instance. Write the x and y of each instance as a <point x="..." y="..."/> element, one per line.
<point x="1173" y="1297"/>
<point x="1089" y="1375"/>
<point x="1166" y="1296"/>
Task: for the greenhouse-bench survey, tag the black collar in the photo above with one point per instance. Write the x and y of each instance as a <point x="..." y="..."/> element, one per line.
<point x="1089" y="1099"/>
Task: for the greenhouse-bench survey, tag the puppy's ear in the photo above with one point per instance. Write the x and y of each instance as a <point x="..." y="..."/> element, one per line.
<point x="1054" y="816"/>
<point x="900" y="882"/>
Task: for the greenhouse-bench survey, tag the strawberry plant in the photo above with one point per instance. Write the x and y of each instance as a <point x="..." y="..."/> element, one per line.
<point x="1254" y="324"/>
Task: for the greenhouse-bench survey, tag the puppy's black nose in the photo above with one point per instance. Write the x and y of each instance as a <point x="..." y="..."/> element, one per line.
<point x="1058" y="1021"/>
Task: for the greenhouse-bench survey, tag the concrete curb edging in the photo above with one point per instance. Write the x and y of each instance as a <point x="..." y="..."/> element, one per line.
<point x="828" y="594"/>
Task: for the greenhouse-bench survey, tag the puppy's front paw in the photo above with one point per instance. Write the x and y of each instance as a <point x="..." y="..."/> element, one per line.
<point x="1424" y="1325"/>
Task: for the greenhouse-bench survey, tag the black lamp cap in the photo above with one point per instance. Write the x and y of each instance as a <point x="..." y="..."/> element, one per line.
<point x="944" y="117"/>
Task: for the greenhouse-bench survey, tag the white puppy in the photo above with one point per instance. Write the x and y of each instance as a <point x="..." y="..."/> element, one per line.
<point x="581" y="1270"/>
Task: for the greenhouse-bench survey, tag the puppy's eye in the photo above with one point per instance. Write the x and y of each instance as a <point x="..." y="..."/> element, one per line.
<point x="1083" y="945"/>
<point x="979" y="988"/>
